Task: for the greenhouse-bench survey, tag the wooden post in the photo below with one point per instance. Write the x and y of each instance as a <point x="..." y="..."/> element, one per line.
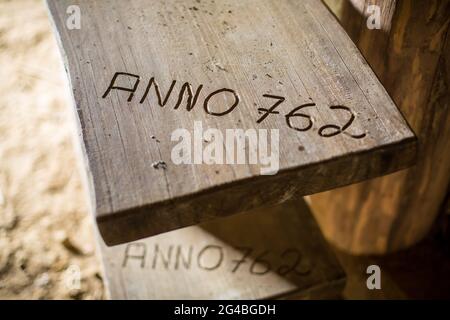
<point x="411" y="57"/>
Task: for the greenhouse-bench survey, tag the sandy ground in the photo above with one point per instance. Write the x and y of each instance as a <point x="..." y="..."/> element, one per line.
<point x="46" y="234"/>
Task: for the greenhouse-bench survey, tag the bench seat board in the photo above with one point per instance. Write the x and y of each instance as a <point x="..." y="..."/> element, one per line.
<point x="275" y="252"/>
<point x="336" y="123"/>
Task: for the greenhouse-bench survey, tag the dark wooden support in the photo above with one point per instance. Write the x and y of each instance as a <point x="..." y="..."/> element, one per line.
<point x="411" y="57"/>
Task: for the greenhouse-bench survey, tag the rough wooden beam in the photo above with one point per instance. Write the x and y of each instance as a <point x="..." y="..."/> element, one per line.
<point x="336" y="123"/>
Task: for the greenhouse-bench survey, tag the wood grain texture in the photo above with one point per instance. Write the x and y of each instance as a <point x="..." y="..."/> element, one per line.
<point x="410" y="55"/>
<point x="292" y="49"/>
<point x="275" y="252"/>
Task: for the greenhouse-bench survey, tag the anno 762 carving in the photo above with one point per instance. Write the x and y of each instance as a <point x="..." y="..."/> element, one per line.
<point x="326" y="130"/>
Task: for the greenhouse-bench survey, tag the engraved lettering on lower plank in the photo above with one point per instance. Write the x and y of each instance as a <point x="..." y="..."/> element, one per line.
<point x="212" y="257"/>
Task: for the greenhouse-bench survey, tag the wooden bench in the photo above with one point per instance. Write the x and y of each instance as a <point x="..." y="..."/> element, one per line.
<point x="143" y="74"/>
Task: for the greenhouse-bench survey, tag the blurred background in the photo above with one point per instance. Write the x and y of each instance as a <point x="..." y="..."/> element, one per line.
<point x="44" y="224"/>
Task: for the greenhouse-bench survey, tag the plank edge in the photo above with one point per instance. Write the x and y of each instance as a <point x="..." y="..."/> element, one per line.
<point x="388" y="159"/>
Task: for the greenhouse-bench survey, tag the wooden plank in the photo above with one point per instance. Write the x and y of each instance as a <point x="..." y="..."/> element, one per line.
<point x="276" y="252"/>
<point x="257" y="50"/>
<point x="411" y="57"/>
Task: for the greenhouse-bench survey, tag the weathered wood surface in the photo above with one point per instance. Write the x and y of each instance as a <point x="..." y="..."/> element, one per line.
<point x="410" y="55"/>
<point x="290" y="49"/>
<point x="275" y="252"/>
